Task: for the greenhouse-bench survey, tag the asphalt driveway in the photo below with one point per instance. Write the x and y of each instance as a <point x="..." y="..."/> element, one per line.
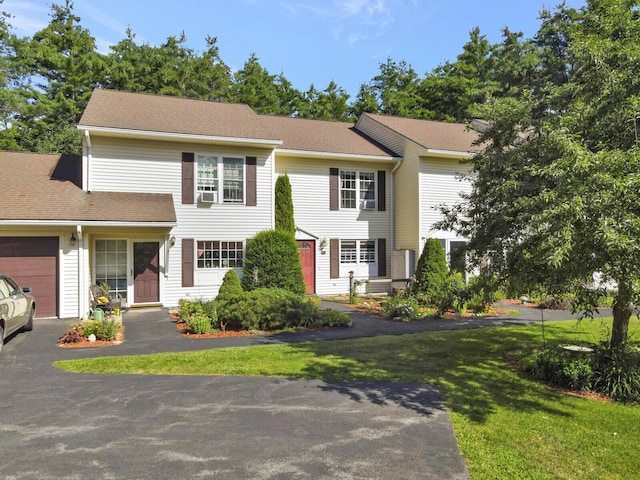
<point x="59" y="425"/>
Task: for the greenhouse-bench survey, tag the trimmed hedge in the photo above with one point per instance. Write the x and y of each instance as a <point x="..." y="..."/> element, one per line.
<point x="274" y="309"/>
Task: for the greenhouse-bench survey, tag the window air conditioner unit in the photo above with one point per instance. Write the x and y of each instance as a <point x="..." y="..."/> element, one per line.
<point x="208" y="197"/>
<point x="368" y="204"/>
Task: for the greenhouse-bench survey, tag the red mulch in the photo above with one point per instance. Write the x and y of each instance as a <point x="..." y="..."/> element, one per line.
<point x="183" y="329"/>
<point x="98" y="343"/>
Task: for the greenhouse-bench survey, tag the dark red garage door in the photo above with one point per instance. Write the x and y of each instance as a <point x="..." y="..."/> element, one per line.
<point x="33" y="262"/>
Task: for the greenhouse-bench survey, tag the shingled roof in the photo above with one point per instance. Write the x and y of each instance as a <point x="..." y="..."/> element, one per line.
<point x="146" y="113"/>
<point x="323" y="137"/>
<point x="47" y="188"/>
<point x="142" y="112"/>
<point x="452" y="137"/>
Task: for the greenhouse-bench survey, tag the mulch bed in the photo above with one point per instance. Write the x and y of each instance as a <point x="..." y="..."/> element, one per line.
<point x="98" y="343"/>
<point x="183" y="328"/>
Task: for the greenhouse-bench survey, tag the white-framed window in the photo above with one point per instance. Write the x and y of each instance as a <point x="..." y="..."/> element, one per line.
<point x="357" y="252"/>
<point x="110" y="265"/>
<point x="357" y="189"/>
<point x="220" y="254"/>
<point x="220" y="178"/>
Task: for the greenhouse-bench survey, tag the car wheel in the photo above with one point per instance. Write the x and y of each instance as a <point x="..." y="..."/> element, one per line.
<point x="1" y="337"/>
<point x="29" y="325"/>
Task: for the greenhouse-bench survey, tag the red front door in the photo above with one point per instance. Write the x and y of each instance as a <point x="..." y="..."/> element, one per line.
<point x="307" y="254"/>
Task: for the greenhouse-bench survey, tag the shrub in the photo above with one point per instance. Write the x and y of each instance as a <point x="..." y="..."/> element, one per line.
<point x="187" y="307"/>
<point x="432" y="272"/>
<point x="72" y="335"/>
<point x="199" y="323"/>
<point x="612" y="372"/>
<point x="562" y="368"/>
<point x="230" y="286"/>
<point x="483" y="292"/>
<point x="272" y="261"/>
<point x="267" y="309"/>
<point x="403" y="307"/>
<point x="455" y="296"/>
<point x="332" y="318"/>
<point x="617" y="372"/>
<point x="106" y="329"/>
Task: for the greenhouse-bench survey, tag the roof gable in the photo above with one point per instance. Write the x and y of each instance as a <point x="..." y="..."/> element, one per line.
<point x="432" y="135"/>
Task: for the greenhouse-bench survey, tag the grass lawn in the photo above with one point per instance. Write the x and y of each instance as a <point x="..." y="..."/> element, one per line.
<point x="507" y="426"/>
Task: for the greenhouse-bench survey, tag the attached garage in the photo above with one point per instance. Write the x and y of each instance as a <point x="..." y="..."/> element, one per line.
<point x="33" y="262"/>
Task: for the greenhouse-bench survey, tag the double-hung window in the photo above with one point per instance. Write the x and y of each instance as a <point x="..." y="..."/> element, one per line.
<point x="219" y="254"/>
<point x="357" y="189"/>
<point x="357" y="251"/>
<point x="221" y="179"/>
<point x="359" y="256"/>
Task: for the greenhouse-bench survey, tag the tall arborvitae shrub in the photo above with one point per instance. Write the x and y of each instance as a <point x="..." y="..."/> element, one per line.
<point x="284" y="205"/>
<point x="432" y="272"/>
<point x="271" y="261"/>
<point x="230" y="286"/>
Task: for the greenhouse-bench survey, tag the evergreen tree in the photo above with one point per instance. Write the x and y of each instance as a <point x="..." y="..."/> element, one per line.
<point x="253" y="85"/>
<point x="432" y="272"/>
<point x="284" y="205"/>
<point x="10" y="78"/>
<point x="65" y="68"/>
<point x="329" y="104"/>
<point x="230" y="286"/>
<point x="271" y="261"/>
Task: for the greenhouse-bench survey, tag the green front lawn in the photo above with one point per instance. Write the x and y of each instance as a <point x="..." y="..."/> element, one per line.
<point x="507" y="426"/>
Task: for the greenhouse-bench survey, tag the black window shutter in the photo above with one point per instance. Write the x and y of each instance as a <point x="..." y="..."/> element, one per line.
<point x="382" y="190"/>
<point x="188" y="171"/>
<point x="334" y="258"/>
<point x="334" y="189"/>
<point x="251" y="200"/>
<point x="382" y="257"/>
<point x="187" y="262"/>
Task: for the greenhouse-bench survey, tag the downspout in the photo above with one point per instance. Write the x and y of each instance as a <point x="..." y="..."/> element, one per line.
<point x="86" y="163"/>
<point x="273" y="189"/>
<point x="83" y="299"/>
<point x="392" y="205"/>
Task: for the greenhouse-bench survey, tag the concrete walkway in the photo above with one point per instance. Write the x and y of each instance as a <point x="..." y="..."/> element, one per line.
<point x="59" y="425"/>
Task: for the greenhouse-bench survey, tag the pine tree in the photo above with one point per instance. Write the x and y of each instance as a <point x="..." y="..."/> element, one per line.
<point x="432" y="272"/>
<point x="284" y="205"/>
<point x="271" y="261"/>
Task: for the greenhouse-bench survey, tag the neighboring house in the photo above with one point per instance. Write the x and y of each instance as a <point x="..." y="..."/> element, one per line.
<point x="168" y="191"/>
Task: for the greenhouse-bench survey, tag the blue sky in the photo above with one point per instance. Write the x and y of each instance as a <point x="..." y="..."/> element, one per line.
<point x="309" y="41"/>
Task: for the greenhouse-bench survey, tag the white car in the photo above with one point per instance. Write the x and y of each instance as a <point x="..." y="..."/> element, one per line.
<point x="17" y="308"/>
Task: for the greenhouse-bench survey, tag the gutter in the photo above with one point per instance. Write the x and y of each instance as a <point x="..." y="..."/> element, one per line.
<point x="122" y="132"/>
<point x="74" y="223"/>
<point x="86" y="162"/>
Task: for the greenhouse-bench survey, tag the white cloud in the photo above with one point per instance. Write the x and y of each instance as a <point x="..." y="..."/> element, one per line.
<point x="26" y="18"/>
<point x="351" y="21"/>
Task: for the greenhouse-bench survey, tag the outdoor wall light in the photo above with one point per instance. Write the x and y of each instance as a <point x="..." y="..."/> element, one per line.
<point x="73" y="239"/>
<point x="323" y="246"/>
<point x="172" y="241"/>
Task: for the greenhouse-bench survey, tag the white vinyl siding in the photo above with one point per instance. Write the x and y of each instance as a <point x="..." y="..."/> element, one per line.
<point x="440" y="183"/>
<point x="311" y="199"/>
<point x="125" y="165"/>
